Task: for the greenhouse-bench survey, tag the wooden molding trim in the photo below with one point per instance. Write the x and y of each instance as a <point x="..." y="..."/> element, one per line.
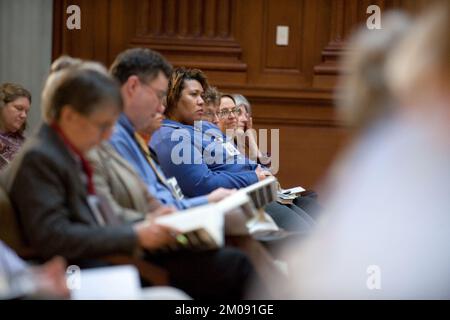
<point x="292" y="122"/>
<point x="219" y="66"/>
<point x="312" y="96"/>
<point x="57" y="24"/>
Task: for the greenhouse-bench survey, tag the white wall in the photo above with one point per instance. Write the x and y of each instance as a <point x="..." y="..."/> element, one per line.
<point x="25" y="47"/>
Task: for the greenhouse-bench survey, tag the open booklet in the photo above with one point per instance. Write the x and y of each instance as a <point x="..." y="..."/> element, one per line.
<point x="241" y="213"/>
<point x="201" y="228"/>
<point x="287" y="196"/>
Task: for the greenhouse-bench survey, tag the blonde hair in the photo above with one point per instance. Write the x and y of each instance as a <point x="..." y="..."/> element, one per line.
<point x="424" y="53"/>
<point x="363" y="95"/>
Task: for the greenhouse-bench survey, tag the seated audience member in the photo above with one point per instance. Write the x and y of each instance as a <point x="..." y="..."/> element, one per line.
<point x="388" y="232"/>
<point x="211" y="107"/>
<point x="184" y="107"/>
<point x="18" y="280"/>
<point x="238" y="126"/>
<point x="234" y="123"/>
<point x="244" y="132"/>
<point x="200" y="157"/>
<point x="15" y="102"/>
<point x="143" y="74"/>
<point x="113" y="176"/>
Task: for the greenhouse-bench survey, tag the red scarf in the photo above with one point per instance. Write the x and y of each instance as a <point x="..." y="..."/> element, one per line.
<point x="84" y="163"/>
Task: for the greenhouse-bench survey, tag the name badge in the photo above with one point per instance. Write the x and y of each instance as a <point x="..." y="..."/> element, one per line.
<point x="176" y="190"/>
<point x="231" y="149"/>
<point x="93" y="203"/>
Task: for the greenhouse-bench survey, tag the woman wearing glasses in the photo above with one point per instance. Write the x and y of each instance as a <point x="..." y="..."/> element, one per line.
<point x="235" y="120"/>
<point x="236" y="123"/>
<point x="15" y="102"/>
<point x="201" y="157"/>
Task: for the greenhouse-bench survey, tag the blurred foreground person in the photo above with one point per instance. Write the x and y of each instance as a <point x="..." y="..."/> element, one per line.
<point x="387" y="225"/>
<point x="18" y="280"/>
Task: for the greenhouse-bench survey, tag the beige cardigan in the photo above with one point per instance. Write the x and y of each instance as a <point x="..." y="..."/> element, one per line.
<point x="115" y="179"/>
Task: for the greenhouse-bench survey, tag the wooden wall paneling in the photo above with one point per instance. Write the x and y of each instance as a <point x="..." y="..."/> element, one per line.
<point x="225" y="18"/>
<point x="155" y="25"/>
<point x="315" y="36"/>
<point x="124" y="24"/>
<point x="210" y="19"/>
<point x="346" y="16"/>
<point x="310" y="138"/>
<point x="233" y="41"/>
<point x="91" y="41"/>
<point x="282" y="59"/>
<point x="170" y="14"/>
<point x="195" y="33"/>
<point x="282" y="66"/>
<point x="343" y="13"/>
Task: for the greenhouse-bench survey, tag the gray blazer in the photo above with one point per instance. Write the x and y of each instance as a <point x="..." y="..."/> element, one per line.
<point x="45" y="188"/>
<point x="127" y="194"/>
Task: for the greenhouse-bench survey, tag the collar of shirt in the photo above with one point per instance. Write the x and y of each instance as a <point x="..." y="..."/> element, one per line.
<point x="126" y="124"/>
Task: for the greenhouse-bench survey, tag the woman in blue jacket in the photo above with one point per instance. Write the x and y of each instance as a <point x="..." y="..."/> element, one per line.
<point x="201" y="157"/>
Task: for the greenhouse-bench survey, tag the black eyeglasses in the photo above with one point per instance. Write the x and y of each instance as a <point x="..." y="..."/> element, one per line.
<point x="226" y="112"/>
<point x="210" y="114"/>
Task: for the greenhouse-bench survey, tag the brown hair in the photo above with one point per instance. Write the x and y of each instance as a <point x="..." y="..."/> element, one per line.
<point x="143" y="63"/>
<point x="212" y="96"/>
<point x="64" y="62"/>
<point x="10" y="92"/>
<point x="363" y="95"/>
<point x="227" y="95"/>
<point x="176" y="85"/>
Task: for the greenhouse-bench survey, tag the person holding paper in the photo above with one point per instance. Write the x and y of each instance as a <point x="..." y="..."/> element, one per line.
<point x="64" y="215"/>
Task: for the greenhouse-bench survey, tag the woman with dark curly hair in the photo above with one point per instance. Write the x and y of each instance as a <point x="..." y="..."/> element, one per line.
<point x="201" y="157"/>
